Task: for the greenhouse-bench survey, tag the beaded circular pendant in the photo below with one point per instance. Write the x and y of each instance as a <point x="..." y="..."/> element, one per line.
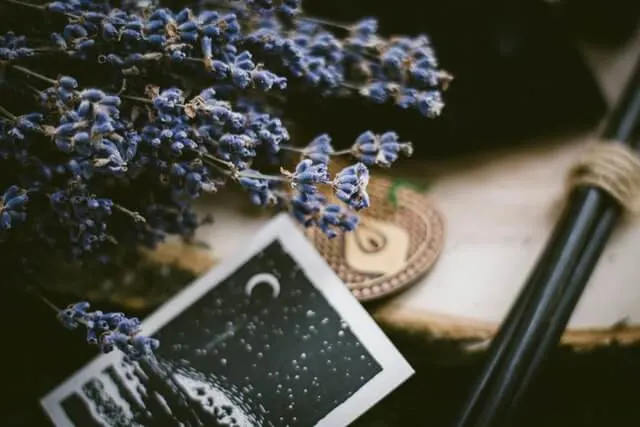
<point x="398" y="240"/>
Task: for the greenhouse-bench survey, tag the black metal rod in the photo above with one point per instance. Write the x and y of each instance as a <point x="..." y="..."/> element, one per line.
<point x="521" y="333"/>
<point x="502" y="349"/>
<point x="568" y="301"/>
<point x="499" y="347"/>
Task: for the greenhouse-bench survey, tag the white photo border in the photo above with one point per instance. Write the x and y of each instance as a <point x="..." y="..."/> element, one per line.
<point x="395" y="369"/>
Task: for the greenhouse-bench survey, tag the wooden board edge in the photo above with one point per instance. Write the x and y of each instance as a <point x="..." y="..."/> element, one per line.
<point x="442" y="326"/>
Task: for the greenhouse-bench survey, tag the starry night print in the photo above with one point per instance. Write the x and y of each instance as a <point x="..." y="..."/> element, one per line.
<point x="262" y="348"/>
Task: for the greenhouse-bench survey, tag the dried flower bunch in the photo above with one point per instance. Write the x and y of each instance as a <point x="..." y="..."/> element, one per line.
<point x="114" y="118"/>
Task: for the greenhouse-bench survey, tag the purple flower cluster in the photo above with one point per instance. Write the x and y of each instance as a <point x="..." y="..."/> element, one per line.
<point x="381" y="150"/>
<point x="356" y="59"/>
<point x="114" y="119"/>
<point x="12" y="206"/>
<point x="109" y="330"/>
<point x="13" y="47"/>
<point x="224" y="45"/>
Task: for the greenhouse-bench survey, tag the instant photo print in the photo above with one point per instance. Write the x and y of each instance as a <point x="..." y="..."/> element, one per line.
<point x="270" y="338"/>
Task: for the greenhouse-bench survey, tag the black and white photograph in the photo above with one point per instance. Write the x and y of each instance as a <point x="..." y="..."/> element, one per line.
<point x="271" y="337"/>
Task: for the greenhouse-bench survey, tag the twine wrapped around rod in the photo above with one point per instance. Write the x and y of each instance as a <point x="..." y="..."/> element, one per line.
<point x="612" y="167"/>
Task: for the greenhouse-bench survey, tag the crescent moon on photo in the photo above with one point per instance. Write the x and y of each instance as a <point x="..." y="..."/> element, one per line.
<point x="266" y="278"/>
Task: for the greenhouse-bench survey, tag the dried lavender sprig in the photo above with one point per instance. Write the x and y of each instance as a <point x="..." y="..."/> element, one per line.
<point x="109" y="331"/>
<point x="369" y="148"/>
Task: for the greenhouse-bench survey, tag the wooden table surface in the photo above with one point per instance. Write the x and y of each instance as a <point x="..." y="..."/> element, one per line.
<point x="499" y="209"/>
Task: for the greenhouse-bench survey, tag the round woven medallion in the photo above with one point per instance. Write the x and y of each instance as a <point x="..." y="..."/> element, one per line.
<point x="400" y="237"/>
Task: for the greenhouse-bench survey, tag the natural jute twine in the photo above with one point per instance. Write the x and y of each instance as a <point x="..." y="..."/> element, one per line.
<point x="614" y="168"/>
